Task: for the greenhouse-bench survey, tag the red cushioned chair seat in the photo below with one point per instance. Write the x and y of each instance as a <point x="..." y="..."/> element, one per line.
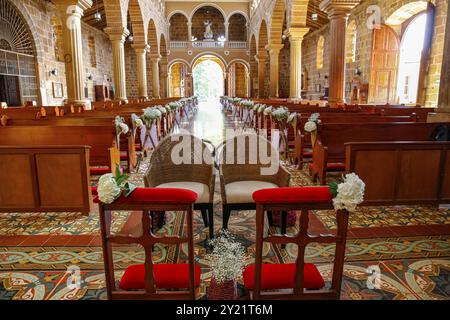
<point x="282" y="276"/>
<point x="293" y="195"/>
<point x="123" y="157"/>
<point x="167" y="276"/>
<point x="158" y="195"/>
<point x="99" y="171"/>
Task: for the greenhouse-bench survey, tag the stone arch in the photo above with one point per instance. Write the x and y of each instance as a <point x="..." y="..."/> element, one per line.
<point x="237" y="22"/>
<point x="211" y="12"/>
<point x="263" y="39"/>
<point x="276" y="25"/>
<point x="175" y="32"/>
<point x="201" y="55"/>
<point x="207" y="4"/>
<point x="188" y="17"/>
<point x="22" y="12"/>
<point x="238" y="79"/>
<point x="298" y="13"/>
<point x="116" y="13"/>
<point x="181" y="61"/>
<point x="152" y="37"/>
<point x="232" y="13"/>
<point x="405" y="12"/>
<point x="137" y="22"/>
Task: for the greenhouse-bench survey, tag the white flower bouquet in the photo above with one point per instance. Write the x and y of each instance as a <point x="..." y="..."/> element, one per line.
<point x="137" y="121"/>
<point x="227" y="259"/>
<point x="292" y="118"/>
<point x="121" y="126"/>
<point x="110" y="187"/>
<point x="281" y="114"/>
<point x="348" y="194"/>
<point x="261" y="108"/>
<point x="150" y="114"/>
<point x="268" y="111"/>
<point x="247" y="104"/>
<point x="175" y="105"/>
<point x="236" y="100"/>
<point x="311" y="125"/>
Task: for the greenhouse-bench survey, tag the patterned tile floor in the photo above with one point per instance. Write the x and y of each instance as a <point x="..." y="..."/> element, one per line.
<point x="409" y="245"/>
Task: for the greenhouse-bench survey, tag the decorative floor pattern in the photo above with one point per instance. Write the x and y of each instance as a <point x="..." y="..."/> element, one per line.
<point x="411" y="267"/>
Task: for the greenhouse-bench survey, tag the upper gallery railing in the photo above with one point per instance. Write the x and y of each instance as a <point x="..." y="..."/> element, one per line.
<point x="209" y="44"/>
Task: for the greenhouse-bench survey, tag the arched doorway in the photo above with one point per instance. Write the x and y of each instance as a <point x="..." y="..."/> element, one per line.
<point x="18" y="81"/>
<point x="208" y="76"/>
<point x="178" y="73"/>
<point x="238" y="80"/>
<point x="410" y="58"/>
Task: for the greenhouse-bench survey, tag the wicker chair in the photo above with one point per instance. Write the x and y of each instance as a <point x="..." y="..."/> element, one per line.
<point x="196" y="172"/>
<point x="242" y="176"/>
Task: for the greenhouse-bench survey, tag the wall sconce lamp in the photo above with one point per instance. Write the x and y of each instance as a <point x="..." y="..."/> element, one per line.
<point x="221" y="39"/>
<point x="53" y="72"/>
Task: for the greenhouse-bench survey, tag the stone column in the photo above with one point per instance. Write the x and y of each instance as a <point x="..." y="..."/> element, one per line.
<point x="155" y="74"/>
<point x="189" y="25"/>
<point x="164" y="79"/>
<point x="141" y="57"/>
<point x="295" y="39"/>
<point x="444" y="84"/>
<point x="226" y="24"/>
<point x="71" y="13"/>
<point x="261" y="59"/>
<point x="117" y="37"/>
<point x="338" y="12"/>
<point x="247" y="84"/>
<point x="274" y="53"/>
<point x="226" y="87"/>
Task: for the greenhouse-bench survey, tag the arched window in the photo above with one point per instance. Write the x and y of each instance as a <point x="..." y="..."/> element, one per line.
<point x="351" y="42"/>
<point x="178" y="30"/>
<point x="320" y="51"/>
<point x="237" y="28"/>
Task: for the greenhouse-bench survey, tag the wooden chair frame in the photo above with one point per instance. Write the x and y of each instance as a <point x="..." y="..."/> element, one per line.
<point x="147" y="240"/>
<point x="301" y="239"/>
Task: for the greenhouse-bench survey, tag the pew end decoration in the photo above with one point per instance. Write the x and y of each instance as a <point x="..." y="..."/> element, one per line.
<point x="311" y="125"/>
<point x="110" y="187"/>
<point x="348" y="194"/>
<point x="227" y="261"/>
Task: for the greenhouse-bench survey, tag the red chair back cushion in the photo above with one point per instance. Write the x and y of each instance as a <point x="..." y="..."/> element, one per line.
<point x="293" y="195"/>
<point x="167" y="276"/>
<point x="282" y="276"/>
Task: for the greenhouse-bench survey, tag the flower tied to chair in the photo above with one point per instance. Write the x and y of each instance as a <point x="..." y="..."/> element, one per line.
<point x="121" y="126"/>
<point x="110" y="187"/>
<point x="311" y="125"/>
<point x="348" y="194"/>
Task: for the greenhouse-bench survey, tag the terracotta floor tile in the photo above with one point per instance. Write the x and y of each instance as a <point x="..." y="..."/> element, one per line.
<point x="57" y="241"/>
<point x="36" y="240"/>
<point x="80" y="240"/>
<point x="12" y="241"/>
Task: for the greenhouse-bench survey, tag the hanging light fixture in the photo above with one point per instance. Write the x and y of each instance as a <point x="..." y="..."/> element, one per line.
<point x="97" y="14"/>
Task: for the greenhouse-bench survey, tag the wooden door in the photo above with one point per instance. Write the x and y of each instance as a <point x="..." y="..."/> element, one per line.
<point x="384" y="65"/>
<point x="10" y="90"/>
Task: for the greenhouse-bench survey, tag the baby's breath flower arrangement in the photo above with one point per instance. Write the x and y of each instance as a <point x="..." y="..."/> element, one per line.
<point x="281" y="114"/>
<point x="227" y="260"/>
<point x="150" y="114"/>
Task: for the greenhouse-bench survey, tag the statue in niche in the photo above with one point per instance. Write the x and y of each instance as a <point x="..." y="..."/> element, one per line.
<point x="208" y="34"/>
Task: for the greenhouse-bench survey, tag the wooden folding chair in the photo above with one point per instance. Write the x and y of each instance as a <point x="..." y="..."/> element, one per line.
<point x="299" y="280"/>
<point x="149" y="280"/>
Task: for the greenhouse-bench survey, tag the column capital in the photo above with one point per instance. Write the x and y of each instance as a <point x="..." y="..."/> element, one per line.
<point x="115" y="33"/>
<point x="140" y="48"/>
<point x="297" y="33"/>
<point x="274" y="48"/>
<point x="155" y="57"/>
<point x="338" y="8"/>
<point x="260" y="56"/>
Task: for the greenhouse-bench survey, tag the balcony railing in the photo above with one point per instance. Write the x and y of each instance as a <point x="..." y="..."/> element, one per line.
<point x="208" y="44"/>
<point x="178" y="44"/>
<point x="237" y="44"/>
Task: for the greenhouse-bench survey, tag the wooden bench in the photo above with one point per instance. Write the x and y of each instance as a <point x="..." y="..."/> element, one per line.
<point x="329" y="150"/>
<point x="44" y="178"/>
<point x="401" y="173"/>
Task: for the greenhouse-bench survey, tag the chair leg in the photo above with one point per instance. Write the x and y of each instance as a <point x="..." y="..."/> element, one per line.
<point x="204" y="217"/>
<point x="211" y="220"/>
<point x="226" y="216"/>
<point x="270" y="218"/>
<point x="283" y="225"/>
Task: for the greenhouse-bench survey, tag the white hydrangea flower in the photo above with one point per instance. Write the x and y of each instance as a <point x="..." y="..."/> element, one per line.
<point x="281" y="113"/>
<point x="138" y="123"/>
<point x="107" y="189"/>
<point x="123" y="128"/>
<point x="310" y="126"/>
<point x="292" y="117"/>
<point x="350" y="193"/>
<point x="268" y="111"/>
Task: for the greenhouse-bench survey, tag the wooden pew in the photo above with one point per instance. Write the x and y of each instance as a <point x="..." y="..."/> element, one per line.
<point x="104" y="151"/>
<point x="401" y="173"/>
<point x="329" y="150"/>
<point x="44" y="178"/>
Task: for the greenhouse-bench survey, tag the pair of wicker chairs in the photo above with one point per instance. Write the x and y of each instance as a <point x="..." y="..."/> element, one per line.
<point x="246" y="163"/>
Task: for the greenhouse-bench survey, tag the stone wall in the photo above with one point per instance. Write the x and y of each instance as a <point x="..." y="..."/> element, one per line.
<point x="178" y="29"/>
<point x="237" y="29"/>
<point x="131" y="72"/>
<point x="364" y="47"/>
<point x="240" y="83"/>
<point x="208" y="13"/>
<point x="284" y="70"/>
